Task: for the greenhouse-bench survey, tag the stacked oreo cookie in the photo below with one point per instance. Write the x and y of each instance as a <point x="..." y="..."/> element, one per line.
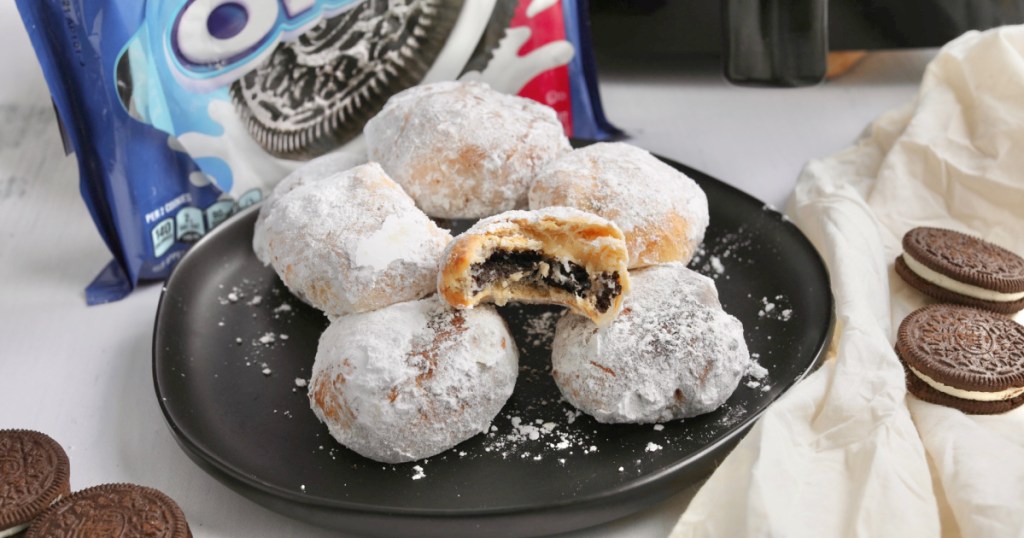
<point x="958" y="268"/>
<point x="963" y="353"/>
<point x="112" y="510"/>
<point x="36" y="498"/>
<point x="963" y="357"/>
<point x="34" y="474"/>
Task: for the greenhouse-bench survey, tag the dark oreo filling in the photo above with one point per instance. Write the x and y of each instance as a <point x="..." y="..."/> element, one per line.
<point x="569" y="277"/>
<point x="608" y="290"/>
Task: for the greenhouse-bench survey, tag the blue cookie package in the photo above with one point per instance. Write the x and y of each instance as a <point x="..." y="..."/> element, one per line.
<point x="183" y="112"/>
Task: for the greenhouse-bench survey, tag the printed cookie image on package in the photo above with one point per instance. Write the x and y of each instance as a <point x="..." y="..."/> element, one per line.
<point x="314" y="93"/>
<point x="183" y="112"/>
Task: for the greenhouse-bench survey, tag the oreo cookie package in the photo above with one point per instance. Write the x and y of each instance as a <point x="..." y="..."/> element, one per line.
<point x="183" y="112"/>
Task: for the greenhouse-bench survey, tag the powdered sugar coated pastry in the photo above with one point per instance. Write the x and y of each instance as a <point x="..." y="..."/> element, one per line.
<point x="313" y="171"/>
<point x="557" y="255"/>
<point x="463" y="150"/>
<point x="353" y="242"/>
<point x="413" y="379"/>
<point x="662" y="212"/>
<point x="672" y="352"/>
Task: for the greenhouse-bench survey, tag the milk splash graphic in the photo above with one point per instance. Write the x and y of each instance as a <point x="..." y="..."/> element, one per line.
<point x="508" y="71"/>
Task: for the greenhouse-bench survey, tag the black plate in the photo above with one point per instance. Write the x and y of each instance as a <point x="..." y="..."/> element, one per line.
<point x="254" y="430"/>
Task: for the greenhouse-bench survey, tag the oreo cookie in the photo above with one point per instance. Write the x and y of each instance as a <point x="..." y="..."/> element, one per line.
<point x="316" y="92"/>
<point x="34" y="473"/>
<point x="112" y="510"/>
<point x="958" y="268"/>
<point x="962" y="357"/>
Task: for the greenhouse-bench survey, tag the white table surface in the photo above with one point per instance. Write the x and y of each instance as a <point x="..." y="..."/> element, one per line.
<point x="83" y="374"/>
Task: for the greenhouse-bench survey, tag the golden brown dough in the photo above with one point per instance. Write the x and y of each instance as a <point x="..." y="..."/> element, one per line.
<point x="462" y="149"/>
<point x="662" y="212"/>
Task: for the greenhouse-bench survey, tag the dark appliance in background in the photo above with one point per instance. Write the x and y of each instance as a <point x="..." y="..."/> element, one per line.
<point x="781" y="42"/>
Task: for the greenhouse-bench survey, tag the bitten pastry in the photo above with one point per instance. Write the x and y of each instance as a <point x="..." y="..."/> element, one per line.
<point x="556" y="255"/>
<point x="672" y="352"/>
<point x="958" y="268"/>
<point x="353" y="242"/>
<point x="962" y="357"/>
<point x="463" y="150"/>
<point x="662" y="212"/>
<point x="413" y="379"/>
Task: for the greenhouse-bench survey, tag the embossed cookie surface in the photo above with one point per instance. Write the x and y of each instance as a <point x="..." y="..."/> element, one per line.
<point x="112" y="510"/>
<point x="34" y="472"/>
<point x="963" y="357"/>
<point x="316" y="92"/>
<point x="956" y="267"/>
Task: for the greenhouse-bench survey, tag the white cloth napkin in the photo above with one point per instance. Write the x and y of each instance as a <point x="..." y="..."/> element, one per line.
<point x="848" y="452"/>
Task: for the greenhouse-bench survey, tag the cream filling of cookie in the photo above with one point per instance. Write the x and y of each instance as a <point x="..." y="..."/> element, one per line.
<point x="13" y="530"/>
<point x="955" y="285"/>
<point x="975" y="395"/>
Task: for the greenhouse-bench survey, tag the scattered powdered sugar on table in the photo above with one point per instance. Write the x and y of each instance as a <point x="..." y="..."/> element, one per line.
<point x="716" y="264"/>
<point x="755" y="369"/>
<point x="732" y="415"/>
<point x="250" y="289"/>
<point x="419" y="472"/>
<point x="540" y="330"/>
<point x="777" y="308"/>
<point x="537" y="333"/>
<point x="712" y="258"/>
<point x="533" y="439"/>
<point x="757" y="374"/>
<point x="258" y="300"/>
